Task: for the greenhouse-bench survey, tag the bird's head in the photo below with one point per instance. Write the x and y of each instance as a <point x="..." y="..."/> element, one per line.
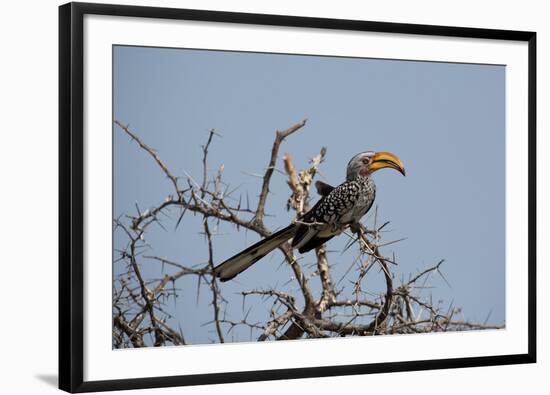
<point x="368" y="162"/>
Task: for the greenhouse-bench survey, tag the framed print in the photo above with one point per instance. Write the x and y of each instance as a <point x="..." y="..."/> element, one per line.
<point x="250" y="197"/>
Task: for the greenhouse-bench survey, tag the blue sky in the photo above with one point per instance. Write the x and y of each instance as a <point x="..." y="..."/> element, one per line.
<point x="445" y="121"/>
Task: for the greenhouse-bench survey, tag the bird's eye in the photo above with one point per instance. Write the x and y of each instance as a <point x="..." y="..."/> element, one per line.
<point x="365" y="161"/>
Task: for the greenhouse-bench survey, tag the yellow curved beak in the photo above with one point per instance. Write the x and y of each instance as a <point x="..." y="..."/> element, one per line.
<point x="381" y="160"/>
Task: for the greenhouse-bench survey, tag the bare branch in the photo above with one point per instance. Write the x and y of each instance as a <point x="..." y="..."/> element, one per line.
<point x="213" y="283"/>
<point x="279" y="137"/>
<point x="152" y="153"/>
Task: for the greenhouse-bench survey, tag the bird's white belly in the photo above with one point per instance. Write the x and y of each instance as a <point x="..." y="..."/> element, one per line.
<point x="357" y="211"/>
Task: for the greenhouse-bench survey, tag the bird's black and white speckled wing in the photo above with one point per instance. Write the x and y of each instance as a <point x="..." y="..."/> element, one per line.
<point x="344" y="205"/>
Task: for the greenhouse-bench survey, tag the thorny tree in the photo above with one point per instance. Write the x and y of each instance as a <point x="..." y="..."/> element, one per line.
<point x="316" y="306"/>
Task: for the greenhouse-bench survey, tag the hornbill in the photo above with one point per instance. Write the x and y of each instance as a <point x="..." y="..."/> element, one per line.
<point x="340" y="207"/>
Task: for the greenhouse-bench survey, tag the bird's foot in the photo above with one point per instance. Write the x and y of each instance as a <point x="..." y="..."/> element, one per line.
<point x="356" y="228"/>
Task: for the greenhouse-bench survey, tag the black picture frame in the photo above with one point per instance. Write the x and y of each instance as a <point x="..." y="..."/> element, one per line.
<point x="71" y="195"/>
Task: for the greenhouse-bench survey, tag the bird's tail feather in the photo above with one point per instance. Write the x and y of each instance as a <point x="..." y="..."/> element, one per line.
<point x="246" y="258"/>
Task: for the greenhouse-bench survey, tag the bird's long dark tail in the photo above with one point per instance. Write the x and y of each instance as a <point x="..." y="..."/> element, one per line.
<point x="246" y="258"/>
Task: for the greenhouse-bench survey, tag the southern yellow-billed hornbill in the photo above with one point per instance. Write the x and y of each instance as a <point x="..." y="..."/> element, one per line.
<point x="339" y="208"/>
